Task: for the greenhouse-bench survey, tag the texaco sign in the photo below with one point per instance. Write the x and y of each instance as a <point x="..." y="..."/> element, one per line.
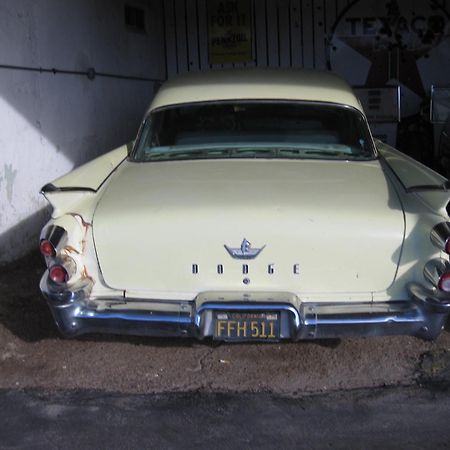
<point x="376" y="44"/>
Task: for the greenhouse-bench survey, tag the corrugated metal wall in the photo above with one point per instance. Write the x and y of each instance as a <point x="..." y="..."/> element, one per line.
<point x="287" y="33"/>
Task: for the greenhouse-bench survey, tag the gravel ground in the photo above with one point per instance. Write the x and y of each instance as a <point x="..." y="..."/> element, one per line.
<point x="33" y="355"/>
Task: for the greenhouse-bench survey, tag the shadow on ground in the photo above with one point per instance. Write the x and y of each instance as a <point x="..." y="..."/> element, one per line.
<point x="23" y="311"/>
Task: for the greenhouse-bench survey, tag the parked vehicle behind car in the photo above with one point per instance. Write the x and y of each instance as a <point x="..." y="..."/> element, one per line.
<point x="253" y="205"/>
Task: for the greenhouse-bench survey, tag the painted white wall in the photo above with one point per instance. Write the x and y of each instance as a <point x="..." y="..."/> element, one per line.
<point x="51" y="123"/>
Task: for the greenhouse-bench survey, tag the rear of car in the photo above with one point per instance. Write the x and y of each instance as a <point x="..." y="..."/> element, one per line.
<point x="254" y="205"/>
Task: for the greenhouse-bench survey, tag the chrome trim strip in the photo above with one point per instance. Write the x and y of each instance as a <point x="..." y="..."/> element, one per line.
<point x="440" y="235"/>
<point x="429" y="187"/>
<point x="131" y="316"/>
<point x="50" y="188"/>
<point x="371" y="319"/>
<point x="243" y="306"/>
<point x="434" y="269"/>
<point x="435" y="299"/>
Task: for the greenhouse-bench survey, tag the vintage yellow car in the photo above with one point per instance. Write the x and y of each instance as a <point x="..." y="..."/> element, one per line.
<point x="253" y="205"/>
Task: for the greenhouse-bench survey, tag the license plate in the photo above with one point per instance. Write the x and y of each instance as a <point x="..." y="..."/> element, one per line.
<point x="247" y="326"/>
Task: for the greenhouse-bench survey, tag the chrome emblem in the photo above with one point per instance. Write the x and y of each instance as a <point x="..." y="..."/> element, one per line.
<point x="245" y="251"/>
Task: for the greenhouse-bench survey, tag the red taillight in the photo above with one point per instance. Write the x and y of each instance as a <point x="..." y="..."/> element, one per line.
<point x="47" y="248"/>
<point x="444" y="282"/>
<point x="58" y="274"/>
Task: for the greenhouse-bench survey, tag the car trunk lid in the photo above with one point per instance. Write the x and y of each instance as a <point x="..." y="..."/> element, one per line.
<point x="323" y="226"/>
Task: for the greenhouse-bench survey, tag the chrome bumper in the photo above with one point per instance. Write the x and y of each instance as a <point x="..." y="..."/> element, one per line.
<point x="75" y="313"/>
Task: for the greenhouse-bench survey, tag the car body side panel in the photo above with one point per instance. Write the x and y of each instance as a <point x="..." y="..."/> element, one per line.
<point x="417" y="248"/>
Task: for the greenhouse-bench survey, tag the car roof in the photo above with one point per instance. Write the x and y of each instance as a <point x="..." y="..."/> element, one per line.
<point x="256" y="84"/>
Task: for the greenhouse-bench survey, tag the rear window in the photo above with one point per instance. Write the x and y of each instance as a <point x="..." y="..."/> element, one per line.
<point x="255" y="130"/>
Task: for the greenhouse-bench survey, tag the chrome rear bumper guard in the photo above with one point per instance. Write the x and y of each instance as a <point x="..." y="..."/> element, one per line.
<point x="423" y="315"/>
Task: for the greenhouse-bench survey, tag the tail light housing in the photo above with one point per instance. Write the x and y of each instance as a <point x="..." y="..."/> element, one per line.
<point x="62" y="270"/>
<point x="444" y="282"/>
<point x="440" y="236"/>
<point x="58" y="274"/>
<point x="61" y="267"/>
<point x="437" y="272"/>
<point x="47" y="248"/>
<point x="53" y="238"/>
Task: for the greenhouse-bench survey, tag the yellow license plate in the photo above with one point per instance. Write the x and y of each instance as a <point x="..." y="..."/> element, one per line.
<point x="247" y="325"/>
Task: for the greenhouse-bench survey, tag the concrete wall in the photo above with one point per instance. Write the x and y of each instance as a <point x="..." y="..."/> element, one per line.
<point x="50" y="123"/>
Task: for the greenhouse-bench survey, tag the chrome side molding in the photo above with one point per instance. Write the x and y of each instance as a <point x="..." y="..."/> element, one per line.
<point x="440" y="236"/>
<point x="434" y="269"/>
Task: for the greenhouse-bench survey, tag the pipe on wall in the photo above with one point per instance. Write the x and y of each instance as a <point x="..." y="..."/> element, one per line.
<point x="90" y="73"/>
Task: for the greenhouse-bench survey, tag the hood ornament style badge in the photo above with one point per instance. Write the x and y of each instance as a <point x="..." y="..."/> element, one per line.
<point x="245" y="251"/>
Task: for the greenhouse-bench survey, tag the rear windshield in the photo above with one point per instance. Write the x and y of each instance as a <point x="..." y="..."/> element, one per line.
<point x="254" y="130"/>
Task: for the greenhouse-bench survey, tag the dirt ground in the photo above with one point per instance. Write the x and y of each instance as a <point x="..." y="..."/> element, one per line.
<point x="33" y="355"/>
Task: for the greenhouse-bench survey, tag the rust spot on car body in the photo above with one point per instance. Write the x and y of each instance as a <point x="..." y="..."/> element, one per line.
<point x="69" y="249"/>
<point x="85" y="224"/>
<point x="85" y="275"/>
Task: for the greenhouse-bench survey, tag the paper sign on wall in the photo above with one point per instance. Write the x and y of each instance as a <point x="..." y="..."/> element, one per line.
<point x="229" y="31"/>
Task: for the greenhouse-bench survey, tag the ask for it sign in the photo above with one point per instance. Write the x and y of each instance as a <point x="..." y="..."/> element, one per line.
<point x="229" y="31"/>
